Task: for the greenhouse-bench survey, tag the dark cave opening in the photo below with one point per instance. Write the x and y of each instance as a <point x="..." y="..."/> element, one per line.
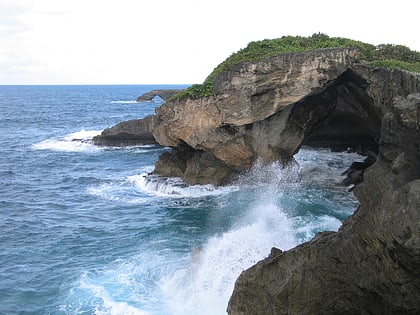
<point x="353" y="125"/>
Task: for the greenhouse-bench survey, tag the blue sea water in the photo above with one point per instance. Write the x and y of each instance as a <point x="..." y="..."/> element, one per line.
<point x="86" y="230"/>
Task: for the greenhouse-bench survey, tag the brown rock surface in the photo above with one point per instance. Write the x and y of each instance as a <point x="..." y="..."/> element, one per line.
<point x="268" y="109"/>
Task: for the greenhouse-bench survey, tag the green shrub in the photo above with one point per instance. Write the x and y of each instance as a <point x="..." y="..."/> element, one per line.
<point x="385" y="55"/>
<point x="196" y="90"/>
<point x="396" y="64"/>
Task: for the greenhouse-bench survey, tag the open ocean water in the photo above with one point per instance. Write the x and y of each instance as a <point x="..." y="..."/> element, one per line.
<point x="85" y="230"/>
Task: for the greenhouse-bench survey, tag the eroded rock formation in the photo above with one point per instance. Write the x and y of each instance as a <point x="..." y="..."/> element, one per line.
<point x="128" y="133"/>
<point x="163" y="94"/>
<point x="136" y="131"/>
<point x="372" y="264"/>
<point x="268" y="109"/>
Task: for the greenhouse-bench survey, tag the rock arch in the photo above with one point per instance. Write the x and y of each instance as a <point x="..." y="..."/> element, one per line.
<point x="270" y="108"/>
<point x="163" y="94"/>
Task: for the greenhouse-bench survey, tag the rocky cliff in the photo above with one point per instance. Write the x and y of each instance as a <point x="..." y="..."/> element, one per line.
<point x="269" y="108"/>
<point x="126" y="133"/>
<point x="372" y="264"/>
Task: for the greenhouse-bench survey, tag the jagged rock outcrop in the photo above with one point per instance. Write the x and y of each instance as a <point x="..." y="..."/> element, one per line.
<point x="163" y="94"/>
<point x="128" y="133"/>
<point x="136" y="131"/>
<point x="372" y="264"/>
<point x="268" y="109"/>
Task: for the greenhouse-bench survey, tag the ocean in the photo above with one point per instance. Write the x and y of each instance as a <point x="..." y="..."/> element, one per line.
<point x="87" y="230"/>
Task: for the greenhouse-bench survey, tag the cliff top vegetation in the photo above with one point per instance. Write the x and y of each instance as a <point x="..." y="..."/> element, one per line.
<point x="384" y="55"/>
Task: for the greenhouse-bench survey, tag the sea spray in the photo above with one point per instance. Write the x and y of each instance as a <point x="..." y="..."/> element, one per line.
<point x="79" y="141"/>
<point x="207" y="282"/>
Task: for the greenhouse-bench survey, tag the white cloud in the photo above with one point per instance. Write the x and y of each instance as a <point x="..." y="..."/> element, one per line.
<point x="167" y="41"/>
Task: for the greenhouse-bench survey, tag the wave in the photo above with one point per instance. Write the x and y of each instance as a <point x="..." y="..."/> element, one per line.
<point x="96" y="293"/>
<point x="305" y="228"/>
<point x="123" y="102"/>
<point x="157" y="186"/>
<point x="324" y="165"/>
<point x="162" y="280"/>
<point x="118" y="192"/>
<point x="208" y="281"/>
<point x="266" y="221"/>
<point x="108" y="305"/>
<point x="80" y="141"/>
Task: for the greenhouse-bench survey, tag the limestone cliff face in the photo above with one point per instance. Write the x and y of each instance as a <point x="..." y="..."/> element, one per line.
<point x="372" y="264"/>
<point x="268" y="109"/>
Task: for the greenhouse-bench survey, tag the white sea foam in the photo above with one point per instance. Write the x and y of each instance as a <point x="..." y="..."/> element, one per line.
<point x="305" y="228"/>
<point x="273" y="175"/>
<point x="107" y="304"/>
<point x="207" y="282"/>
<point x="124" y="287"/>
<point x="74" y="142"/>
<point x="117" y="191"/>
<point x="158" y="186"/>
<point x="120" y="190"/>
<point x="324" y="165"/>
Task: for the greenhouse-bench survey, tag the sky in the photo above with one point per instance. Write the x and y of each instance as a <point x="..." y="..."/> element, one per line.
<point x="174" y="41"/>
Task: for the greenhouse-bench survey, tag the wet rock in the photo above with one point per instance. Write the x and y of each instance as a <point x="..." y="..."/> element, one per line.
<point x="354" y="174"/>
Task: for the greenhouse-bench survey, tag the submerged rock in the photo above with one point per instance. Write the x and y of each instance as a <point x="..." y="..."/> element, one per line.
<point x="372" y="264"/>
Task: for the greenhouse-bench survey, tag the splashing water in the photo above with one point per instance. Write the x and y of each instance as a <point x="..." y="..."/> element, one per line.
<point x="79" y="141"/>
<point x="207" y="283"/>
<point x="158" y="186"/>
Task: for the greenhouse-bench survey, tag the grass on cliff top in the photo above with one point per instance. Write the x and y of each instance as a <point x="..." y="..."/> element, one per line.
<point x="384" y="55"/>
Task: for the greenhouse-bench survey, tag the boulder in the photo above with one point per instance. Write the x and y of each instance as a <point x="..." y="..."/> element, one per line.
<point x="372" y="264"/>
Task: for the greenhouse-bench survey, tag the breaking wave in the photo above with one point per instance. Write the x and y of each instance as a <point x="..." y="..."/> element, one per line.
<point x="80" y="141"/>
<point x="154" y="185"/>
